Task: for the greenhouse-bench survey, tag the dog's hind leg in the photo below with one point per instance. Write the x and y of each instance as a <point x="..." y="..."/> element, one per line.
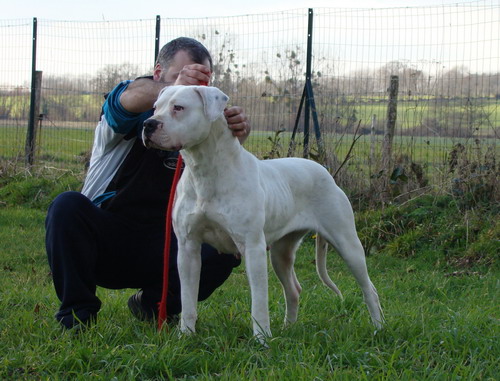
<point x="283" y="259"/>
<point x="357" y="264"/>
<point x="337" y="226"/>
<point x="350" y="249"/>
<point x="321" y="250"/>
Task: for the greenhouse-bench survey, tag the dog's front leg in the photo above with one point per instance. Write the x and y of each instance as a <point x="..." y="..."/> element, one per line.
<point x="189" y="265"/>
<point x="256" y="266"/>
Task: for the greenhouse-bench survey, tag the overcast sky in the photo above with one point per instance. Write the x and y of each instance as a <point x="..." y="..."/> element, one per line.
<point x="435" y="43"/>
<point x="97" y="10"/>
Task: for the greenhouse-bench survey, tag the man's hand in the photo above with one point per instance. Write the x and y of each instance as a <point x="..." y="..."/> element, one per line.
<point x="237" y="122"/>
<point x="193" y="75"/>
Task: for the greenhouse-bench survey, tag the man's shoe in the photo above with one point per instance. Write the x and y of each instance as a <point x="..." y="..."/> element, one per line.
<point x="147" y="314"/>
<point x="77" y="321"/>
<point x="138" y="310"/>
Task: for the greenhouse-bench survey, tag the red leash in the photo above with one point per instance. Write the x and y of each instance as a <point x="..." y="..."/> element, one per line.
<point x="162" y="308"/>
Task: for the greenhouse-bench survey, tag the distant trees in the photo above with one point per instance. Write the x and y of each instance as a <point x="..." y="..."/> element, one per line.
<point x="110" y="75"/>
<point x="67" y="98"/>
<point x="272" y="91"/>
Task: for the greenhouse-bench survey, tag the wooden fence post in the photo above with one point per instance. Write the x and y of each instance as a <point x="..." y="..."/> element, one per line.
<point x="36" y="90"/>
<point x="372" y="139"/>
<point x="392" y="113"/>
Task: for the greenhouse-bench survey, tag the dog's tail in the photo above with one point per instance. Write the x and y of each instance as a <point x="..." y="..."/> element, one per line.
<point x="321" y="250"/>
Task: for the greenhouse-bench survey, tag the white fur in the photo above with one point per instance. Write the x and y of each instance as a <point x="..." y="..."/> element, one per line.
<point x="229" y="199"/>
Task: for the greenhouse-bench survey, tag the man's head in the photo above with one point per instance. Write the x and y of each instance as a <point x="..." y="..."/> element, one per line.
<point x="178" y="53"/>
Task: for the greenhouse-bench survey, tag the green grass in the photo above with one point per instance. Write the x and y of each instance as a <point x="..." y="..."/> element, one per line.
<point x="68" y="147"/>
<point x="479" y="113"/>
<point x="70" y="141"/>
<point x="442" y="313"/>
<point x="59" y="147"/>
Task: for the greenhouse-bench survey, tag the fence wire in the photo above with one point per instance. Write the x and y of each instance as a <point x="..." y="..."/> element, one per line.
<point x="446" y="58"/>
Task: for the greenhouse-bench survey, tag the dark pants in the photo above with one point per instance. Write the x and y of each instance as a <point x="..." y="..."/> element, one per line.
<point x="88" y="247"/>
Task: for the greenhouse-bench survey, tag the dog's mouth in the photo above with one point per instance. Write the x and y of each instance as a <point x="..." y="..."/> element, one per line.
<point x="154" y="137"/>
<point x="149" y="128"/>
<point x="146" y="140"/>
<point x="150" y="143"/>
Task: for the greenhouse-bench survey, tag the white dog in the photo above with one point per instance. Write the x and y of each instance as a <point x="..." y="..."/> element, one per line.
<point x="229" y="199"/>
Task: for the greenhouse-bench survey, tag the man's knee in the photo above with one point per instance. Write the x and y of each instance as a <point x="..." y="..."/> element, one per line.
<point x="67" y="215"/>
<point x="65" y="207"/>
<point x="68" y="200"/>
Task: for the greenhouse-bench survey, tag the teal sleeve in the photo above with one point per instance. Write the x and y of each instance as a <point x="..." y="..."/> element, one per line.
<point x="120" y="120"/>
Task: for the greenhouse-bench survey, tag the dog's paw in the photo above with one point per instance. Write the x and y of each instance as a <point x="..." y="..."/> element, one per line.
<point x="187" y="332"/>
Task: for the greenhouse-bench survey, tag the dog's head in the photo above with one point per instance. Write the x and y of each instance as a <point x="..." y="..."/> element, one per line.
<point x="183" y="116"/>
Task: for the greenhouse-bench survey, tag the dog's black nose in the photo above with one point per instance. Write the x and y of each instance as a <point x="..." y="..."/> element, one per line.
<point x="150" y="126"/>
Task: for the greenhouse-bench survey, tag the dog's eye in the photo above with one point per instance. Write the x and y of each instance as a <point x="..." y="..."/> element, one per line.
<point x="178" y="108"/>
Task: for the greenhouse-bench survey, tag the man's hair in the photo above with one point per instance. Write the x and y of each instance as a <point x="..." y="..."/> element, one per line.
<point x="197" y="52"/>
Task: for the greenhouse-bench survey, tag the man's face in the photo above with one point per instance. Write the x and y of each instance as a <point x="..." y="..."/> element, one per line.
<point x="180" y="60"/>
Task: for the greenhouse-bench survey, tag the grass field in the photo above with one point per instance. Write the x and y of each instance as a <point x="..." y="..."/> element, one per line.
<point x="416" y="111"/>
<point x="435" y="119"/>
<point x="69" y="146"/>
<point x="435" y="267"/>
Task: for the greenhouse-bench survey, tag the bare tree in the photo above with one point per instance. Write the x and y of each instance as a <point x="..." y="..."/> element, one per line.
<point x="110" y="75"/>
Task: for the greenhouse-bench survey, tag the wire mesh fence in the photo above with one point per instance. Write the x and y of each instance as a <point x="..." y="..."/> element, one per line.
<point x="446" y="59"/>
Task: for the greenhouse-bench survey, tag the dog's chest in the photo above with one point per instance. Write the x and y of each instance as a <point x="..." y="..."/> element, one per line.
<point x="208" y="221"/>
<point x="219" y="238"/>
<point x="215" y="233"/>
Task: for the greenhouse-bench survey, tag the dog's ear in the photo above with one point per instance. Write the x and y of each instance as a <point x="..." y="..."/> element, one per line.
<point x="214" y="101"/>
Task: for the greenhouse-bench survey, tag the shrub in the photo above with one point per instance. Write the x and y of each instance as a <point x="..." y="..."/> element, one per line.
<point x="435" y="225"/>
<point x="34" y="190"/>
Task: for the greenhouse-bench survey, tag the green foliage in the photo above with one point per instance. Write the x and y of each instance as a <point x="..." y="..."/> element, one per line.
<point x="35" y="191"/>
<point x="475" y="174"/>
<point x="276" y="149"/>
<point x="436" y="226"/>
<point x="14" y="106"/>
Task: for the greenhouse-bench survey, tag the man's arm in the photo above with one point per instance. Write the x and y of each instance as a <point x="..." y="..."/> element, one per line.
<point x="142" y="93"/>
<point x="140" y="96"/>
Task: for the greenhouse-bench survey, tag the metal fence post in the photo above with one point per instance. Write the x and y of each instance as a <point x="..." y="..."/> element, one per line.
<point x="308" y="78"/>
<point x="308" y="102"/>
<point x="157" y="37"/>
<point x="36" y="84"/>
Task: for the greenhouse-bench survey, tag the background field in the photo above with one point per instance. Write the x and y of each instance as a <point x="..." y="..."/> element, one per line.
<point x="447" y="69"/>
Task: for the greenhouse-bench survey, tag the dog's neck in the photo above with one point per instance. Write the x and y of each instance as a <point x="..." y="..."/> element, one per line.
<point x="217" y="151"/>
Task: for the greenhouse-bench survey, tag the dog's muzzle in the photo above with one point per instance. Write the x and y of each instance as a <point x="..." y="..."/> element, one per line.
<point x="149" y="128"/>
